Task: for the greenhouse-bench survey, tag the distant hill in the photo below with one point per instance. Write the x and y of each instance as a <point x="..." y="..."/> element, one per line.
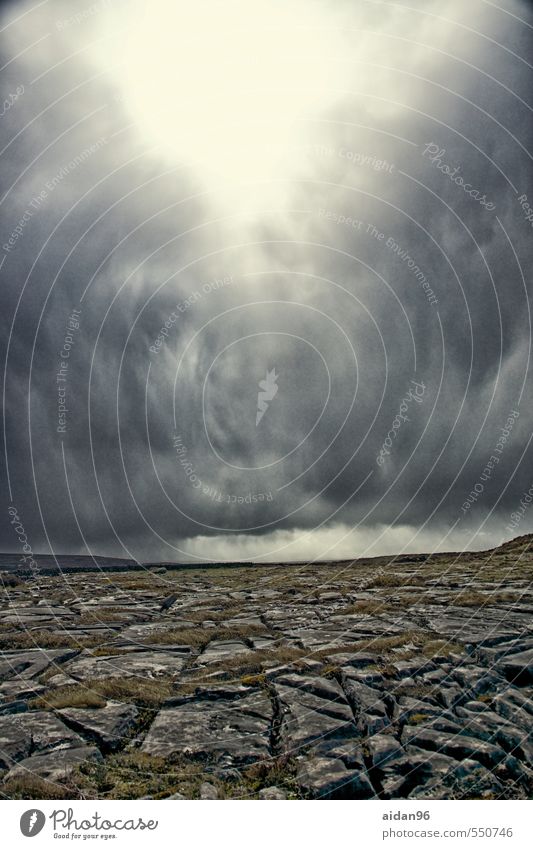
<point x="516" y="545"/>
<point x="50" y="565"/>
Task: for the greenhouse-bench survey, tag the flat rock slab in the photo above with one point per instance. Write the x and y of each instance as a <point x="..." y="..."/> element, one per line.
<point x="516" y="708"/>
<point x="353" y="714"/>
<point x="384" y="750"/>
<point x="317" y="638"/>
<point x="148" y="629"/>
<point x="234" y="729"/>
<point x="265" y="643"/>
<point x="503" y="649"/>
<point x="28" y="664"/>
<point x="458" y="746"/>
<point x="145" y="664"/>
<point x="272" y="794"/>
<point x="222" y="650"/>
<point x="357" y="659"/>
<point x="24" y="734"/>
<point x="367" y="703"/>
<point x="243" y="622"/>
<point x="37" y="610"/>
<point x="314" y="711"/>
<point x="518" y="668"/>
<point x="57" y="766"/>
<point x="134" y="647"/>
<point x="444" y="778"/>
<point x="108" y="727"/>
<point x="475" y="626"/>
<point x="488" y="725"/>
<point x="329" y="778"/>
<point x="409" y="708"/>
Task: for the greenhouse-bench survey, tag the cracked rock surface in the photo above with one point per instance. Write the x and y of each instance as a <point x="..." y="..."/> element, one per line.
<point x="388" y="678"/>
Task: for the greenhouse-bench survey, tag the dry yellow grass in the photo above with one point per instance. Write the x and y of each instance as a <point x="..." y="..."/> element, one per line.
<point x="45" y="639"/>
<point x="473" y="598"/>
<point x="146" y="692"/>
<point x="32" y="787"/>
<point x="435" y="647"/>
<point x="76" y="695"/>
<point x="251" y="665"/>
<point x="102" y="615"/>
<point x="8" y="579"/>
<point x="388" y="579"/>
<point x="201" y="637"/>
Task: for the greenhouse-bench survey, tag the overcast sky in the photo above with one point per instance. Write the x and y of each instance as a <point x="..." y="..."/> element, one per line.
<point x="329" y="199"/>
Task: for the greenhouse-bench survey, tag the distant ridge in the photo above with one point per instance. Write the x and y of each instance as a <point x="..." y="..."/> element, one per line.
<point x="517" y="544"/>
<point x="50" y="565"/>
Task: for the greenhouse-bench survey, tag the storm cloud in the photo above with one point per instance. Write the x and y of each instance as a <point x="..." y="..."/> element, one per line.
<point x="378" y="298"/>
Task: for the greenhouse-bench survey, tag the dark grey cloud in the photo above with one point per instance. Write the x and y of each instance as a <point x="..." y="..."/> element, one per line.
<point x="376" y="269"/>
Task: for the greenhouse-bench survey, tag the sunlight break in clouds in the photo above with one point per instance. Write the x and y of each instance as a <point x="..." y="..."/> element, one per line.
<point x="226" y="87"/>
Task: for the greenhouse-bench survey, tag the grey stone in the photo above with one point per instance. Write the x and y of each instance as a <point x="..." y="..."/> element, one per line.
<point x="145" y="664"/>
<point x="28" y="664"/>
<point x="20" y="688"/>
<point x="363" y="697"/>
<point x="223" y="649"/>
<point x="109" y="727"/>
<point x="450" y="696"/>
<point x="56" y="766"/>
<point x="328" y="778"/>
<point x="408" y="668"/>
<point x="460" y="746"/>
<point x="518" y="668"/>
<point x="405" y="769"/>
<point x="229" y="730"/>
<point x="314" y="710"/>
<point x="272" y="793"/>
<point x="19" y="706"/>
<point x="33" y="732"/>
<point x="208" y="791"/>
<point x="464" y="780"/>
<point x="409" y="708"/>
<point x="384" y="748"/>
<point x="356" y="659"/>
<point x="463" y="717"/>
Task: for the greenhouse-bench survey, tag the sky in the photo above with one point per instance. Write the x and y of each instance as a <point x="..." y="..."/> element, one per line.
<point x="265" y="277"/>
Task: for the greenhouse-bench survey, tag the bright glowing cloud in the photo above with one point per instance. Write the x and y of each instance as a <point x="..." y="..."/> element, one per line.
<point x="226" y="87"/>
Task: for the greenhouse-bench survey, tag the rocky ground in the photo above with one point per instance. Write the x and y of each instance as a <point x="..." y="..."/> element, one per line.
<point x="406" y="677"/>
